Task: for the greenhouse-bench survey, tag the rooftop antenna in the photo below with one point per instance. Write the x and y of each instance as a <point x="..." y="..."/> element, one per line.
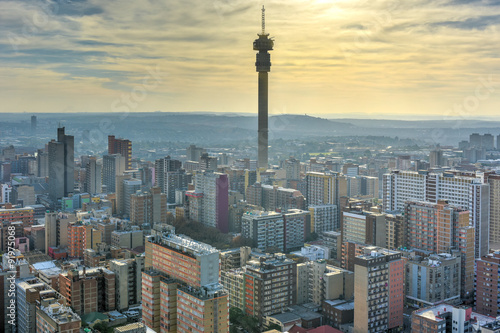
<point x="263" y="20"/>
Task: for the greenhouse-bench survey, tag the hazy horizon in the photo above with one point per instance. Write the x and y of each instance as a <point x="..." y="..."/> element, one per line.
<point x="387" y="59"/>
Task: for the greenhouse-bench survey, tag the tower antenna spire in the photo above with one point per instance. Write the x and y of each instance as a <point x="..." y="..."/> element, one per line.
<point x="263" y="20"/>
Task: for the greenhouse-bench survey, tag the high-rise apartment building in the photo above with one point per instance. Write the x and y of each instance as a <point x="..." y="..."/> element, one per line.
<point x="61" y="165"/>
<point x="56" y="231"/>
<point x="128" y="276"/>
<point x="148" y="207"/>
<point x="28" y="292"/>
<point x="122" y="147"/>
<point x="51" y="316"/>
<point x="89" y="290"/>
<point x="270" y="286"/>
<point x="210" y="200"/>
<point x="378" y="290"/>
<point x="488" y="284"/>
<point x="433" y="280"/>
<point x="180" y="287"/>
<point x="112" y="166"/>
<point x="274" y="198"/>
<point x="465" y="190"/>
<point x="76" y="240"/>
<point x="292" y="169"/>
<point x="441" y="228"/>
<point x="323" y="218"/>
<point x="266" y="229"/>
<point x="317" y="281"/>
<point x="436" y="158"/>
<point x="325" y="188"/>
<point x="363" y="227"/>
<point x="494" y="213"/>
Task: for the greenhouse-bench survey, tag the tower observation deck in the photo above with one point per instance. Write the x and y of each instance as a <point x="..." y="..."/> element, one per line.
<point x="263" y="44"/>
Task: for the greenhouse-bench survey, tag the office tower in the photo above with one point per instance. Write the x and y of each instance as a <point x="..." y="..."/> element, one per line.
<point x="441" y="271"/>
<point x="112" y="166"/>
<point x="42" y="161"/>
<point x="170" y="177"/>
<point x="488" y="142"/>
<point x="130" y="187"/>
<point x="194" y="153"/>
<point x="436" y="158"/>
<point x="148" y="207"/>
<point x="475" y="140"/>
<point x="488" y="284"/>
<point x="61" y="165"/>
<point x="122" y="147"/>
<point x="208" y="162"/>
<point x="128" y="275"/>
<point x="162" y="167"/>
<point x="180" y="285"/>
<point x="51" y="316"/>
<point x="56" y="231"/>
<point x="23" y="195"/>
<point x="317" y="281"/>
<point x="29" y="291"/>
<point x="498" y="142"/>
<point x="494" y="232"/>
<point x="323" y="218"/>
<point x="378" y="290"/>
<point x="210" y="200"/>
<point x="263" y="66"/>
<point x="33" y="125"/>
<point x="266" y="229"/>
<point x="93" y="176"/>
<point x="5" y="171"/>
<point x="88" y="290"/>
<point x="76" y="240"/>
<point x="459" y="189"/>
<point x="363" y="227"/>
<point x="441" y="228"/>
<point x="127" y="239"/>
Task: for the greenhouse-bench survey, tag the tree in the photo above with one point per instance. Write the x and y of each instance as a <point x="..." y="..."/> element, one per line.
<point x="235" y="315"/>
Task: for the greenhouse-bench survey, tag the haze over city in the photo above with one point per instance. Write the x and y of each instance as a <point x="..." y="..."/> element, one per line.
<point x="381" y="59"/>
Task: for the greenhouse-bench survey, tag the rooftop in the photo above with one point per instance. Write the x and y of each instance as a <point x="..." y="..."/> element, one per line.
<point x="59" y="313"/>
<point x="184" y="243"/>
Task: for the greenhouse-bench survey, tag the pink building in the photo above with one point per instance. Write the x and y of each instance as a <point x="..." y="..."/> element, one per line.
<point x="22" y="244"/>
<point x="396" y="292"/>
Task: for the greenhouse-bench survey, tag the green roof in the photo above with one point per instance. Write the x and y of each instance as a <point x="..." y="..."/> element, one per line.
<point x="91" y="317"/>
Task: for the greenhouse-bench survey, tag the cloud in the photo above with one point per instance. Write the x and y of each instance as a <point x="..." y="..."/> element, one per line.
<point x="325" y="52"/>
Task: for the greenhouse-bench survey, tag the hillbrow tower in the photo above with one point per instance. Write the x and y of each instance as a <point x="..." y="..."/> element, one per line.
<point x="263" y="66"/>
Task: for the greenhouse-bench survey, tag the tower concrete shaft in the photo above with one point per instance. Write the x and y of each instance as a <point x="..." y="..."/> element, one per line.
<point x="263" y="66"/>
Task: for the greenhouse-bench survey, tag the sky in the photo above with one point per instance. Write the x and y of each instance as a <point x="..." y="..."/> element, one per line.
<point x="349" y="58"/>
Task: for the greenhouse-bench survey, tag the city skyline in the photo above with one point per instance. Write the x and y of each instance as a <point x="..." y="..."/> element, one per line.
<point x="332" y="57"/>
